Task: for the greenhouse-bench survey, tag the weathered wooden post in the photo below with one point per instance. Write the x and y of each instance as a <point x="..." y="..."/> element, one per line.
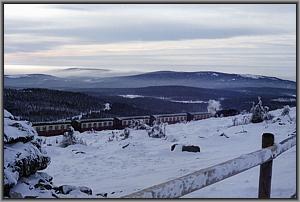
<point x="265" y="175"/>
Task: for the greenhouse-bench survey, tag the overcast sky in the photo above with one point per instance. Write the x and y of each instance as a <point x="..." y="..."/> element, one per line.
<point x="246" y="38"/>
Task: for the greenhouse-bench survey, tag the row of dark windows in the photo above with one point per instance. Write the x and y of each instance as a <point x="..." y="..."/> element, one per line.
<point x="180" y="118"/>
<point x="99" y="124"/>
<point x="127" y="122"/>
<point x="52" y="127"/>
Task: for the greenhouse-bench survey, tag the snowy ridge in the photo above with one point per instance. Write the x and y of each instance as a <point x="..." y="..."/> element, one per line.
<point x="16" y="76"/>
<point x="131" y="96"/>
<point x="251" y="76"/>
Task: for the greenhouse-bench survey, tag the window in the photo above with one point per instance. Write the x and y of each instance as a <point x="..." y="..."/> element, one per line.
<point x="44" y="128"/>
<point x="89" y="125"/>
<point x="50" y="127"/>
<point x="38" y="128"/>
<point x="95" y="124"/>
<point x="56" y="127"/>
<point x="62" y="127"/>
<point x="110" y="123"/>
<point x="105" y="123"/>
<point x="99" y="124"/>
<point x="83" y="125"/>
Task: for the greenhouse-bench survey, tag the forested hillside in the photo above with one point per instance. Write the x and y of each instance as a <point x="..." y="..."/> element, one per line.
<point x="50" y="105"/>
<point x="45" y="105"/>
<point x="37" y="104"/>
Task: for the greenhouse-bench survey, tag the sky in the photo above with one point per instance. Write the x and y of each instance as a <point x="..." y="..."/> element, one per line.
<point x="121" y="39"/>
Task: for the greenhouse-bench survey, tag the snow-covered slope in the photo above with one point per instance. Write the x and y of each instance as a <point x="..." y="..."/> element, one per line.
<point x="24" y="158"/>
<point x="118" y="169"/>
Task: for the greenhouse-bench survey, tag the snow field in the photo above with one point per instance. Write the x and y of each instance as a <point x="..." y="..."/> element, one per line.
<point x="106" y="167"/>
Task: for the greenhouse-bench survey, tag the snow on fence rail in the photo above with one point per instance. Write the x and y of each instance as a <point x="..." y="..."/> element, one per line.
<point x="207" y="176"/>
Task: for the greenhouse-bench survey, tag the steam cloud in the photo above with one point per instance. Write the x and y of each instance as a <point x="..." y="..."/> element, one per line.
<point x="213" y="106"/>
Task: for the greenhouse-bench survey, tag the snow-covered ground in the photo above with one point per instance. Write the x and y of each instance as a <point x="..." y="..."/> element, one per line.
<point x="106" y="167"/>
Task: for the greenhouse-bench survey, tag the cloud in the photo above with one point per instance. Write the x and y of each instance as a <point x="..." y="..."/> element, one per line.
<point x="143" y="22"/>
<point x="238" y="52"/>
<point x="232" y="37"/>
<point x="84" y="69"/>
<point x="27" y="42"/>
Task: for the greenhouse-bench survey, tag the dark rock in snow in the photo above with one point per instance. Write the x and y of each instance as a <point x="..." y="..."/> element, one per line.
<point x="25" y="159"/>
<point x="223" y="134"/>
<point x="188" y="148"/>
<point x="102" y="194"/>
<point x="173" y="147"/>
<point x="80" y="152"/>
<point x="35" y="186"/>
<point x="123" y="147"/>
<point x="66" y="189"/>
<point x="191" y="148"/>
<point x="86" y="190"/>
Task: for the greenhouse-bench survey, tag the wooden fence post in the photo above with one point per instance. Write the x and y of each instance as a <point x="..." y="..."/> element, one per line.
<point x="265" y="175"/>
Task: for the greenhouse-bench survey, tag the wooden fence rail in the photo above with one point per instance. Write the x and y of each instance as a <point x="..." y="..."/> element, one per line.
<point x="207" y="176"/>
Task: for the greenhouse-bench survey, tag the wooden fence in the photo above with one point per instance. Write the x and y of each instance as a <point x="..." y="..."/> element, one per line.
<point x="207" y="176"/>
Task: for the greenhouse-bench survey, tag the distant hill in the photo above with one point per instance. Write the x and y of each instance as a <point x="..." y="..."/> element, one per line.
<point x="161" y="78"/>
<point x="37" y="80"/>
